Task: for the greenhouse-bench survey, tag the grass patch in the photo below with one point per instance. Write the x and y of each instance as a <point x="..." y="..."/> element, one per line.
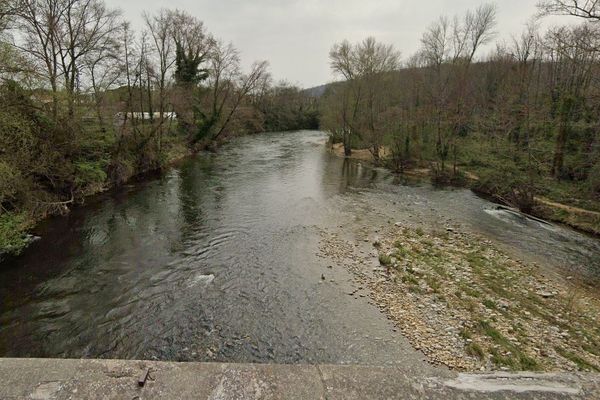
<point x="582" y="364"/>
<point x="401" y="251"/>
<point x="593" y="347"/>
<point x="474" y="277"/>
<point x="427" y="242"/>
<point x="410" y="279"/>
<point x="528" y="363"/>
<point x="513" y="358"/>
<point x="476" y="260"/>
<point x="471" y="292"/>
<point x="385" y="260"/>
<point x="475" y="350"/>
<point x="439" y="269"/>
<point x="465" y="333"/>
<point x="415" y="289"/>
<point x="489" y="304"/>
<point x="487" y="329"/>
<point x="433" y="283"/>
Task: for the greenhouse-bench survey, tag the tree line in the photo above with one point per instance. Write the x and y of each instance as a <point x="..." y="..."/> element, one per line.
<point x="87" y="102"/>
<point x="522" y="119"/>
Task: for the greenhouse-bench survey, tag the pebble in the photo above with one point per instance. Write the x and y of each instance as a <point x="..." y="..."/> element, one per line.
<point x="433" y="320"/>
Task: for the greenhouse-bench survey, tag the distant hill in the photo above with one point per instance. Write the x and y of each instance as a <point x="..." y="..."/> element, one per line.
<point x="316" y="91"/>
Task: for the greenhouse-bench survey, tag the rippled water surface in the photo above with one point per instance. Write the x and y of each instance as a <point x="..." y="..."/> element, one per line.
<point x="217" y="260"/>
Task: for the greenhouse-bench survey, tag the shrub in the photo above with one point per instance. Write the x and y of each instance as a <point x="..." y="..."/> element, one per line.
<point x="510" y="185"/>
<point x="10" y="179"/>
<point x="384" y="259"/>
<point x="89" y="173"/>
<point x="12" y="232"/>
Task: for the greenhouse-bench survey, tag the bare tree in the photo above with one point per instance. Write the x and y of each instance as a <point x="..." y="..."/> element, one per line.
<point x="103" y="68"/>
<point x="479" y="26"/>
<point x="8" y="9"/>
<point x="59" y="34"/>
<point x="229" y="85"/>
<point x="12" y="63"/>
<point x="374" y="62"/>
<point x="573" y="67"/>
<point x="38" y="23"/>
<point x="436" y="43"/>
<point x="449" y="49"/>
<point x="160" y="28"/>
<point x="342" y="62"/>
<point x="588" y="9"/>
<point x="364" y="67"/>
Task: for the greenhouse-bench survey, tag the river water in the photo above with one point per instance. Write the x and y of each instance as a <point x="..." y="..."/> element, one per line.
<point x="217" y="260"/>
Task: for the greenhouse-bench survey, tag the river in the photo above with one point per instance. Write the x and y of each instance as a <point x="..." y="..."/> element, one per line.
<point x="217" y="260"/>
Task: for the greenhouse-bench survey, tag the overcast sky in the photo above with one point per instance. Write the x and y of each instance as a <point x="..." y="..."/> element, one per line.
<point x="295" y="35"/>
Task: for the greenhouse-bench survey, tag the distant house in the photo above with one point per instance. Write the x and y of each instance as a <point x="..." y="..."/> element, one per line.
<point x="42" y="96"/>
<point x="121" y="117"/>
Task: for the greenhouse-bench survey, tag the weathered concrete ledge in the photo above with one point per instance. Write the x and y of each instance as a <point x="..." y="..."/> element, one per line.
<point x="118" y="379"/>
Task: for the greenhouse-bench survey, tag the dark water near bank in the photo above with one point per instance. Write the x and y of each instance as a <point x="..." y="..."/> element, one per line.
<point x="217" y="261"/>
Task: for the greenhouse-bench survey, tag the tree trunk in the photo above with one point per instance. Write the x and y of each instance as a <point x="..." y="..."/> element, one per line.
<point x="559" y="150"/>
<point x="347" y="147"/>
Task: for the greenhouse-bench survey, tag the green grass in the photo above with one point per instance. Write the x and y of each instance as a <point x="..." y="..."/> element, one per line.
<point x="570" y="193"/>
<point x="490" y="277"/>
<point x="427" y="242"/>
<point x="528" y="363"/>
<point x="475" y="350"/>
<point x="385" y="260"/>
<point x="514" y="358"/>
<point x="400" y="250"/>
<point x="433" y="283"/>
<point x="470" y="291"/>
<point x="415" y="289"/>
<point x="465" y="333"/>
<point x="410" y="279"/>
<point x="582" y="364"/>
<point x="489" y="304"/>
<point x="487" y="329"/>
<point x="476" y="260"/>
<point x="13" y="229"/>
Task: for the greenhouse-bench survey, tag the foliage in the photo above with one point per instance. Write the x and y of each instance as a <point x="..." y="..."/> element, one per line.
<point x="89" y="173"/>
<point x="13" y="237"/>
<point x="288" y="108"/>
<point x="511" y="185"/>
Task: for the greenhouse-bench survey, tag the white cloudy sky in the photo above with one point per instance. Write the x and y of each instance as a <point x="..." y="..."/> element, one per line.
<point x="295" y="35"/>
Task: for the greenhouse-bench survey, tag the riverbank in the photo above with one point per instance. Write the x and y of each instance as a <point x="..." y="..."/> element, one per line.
<point x="16" y="228"/>
<point x="578" y="218"/>
<point x="470" y="306"/>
